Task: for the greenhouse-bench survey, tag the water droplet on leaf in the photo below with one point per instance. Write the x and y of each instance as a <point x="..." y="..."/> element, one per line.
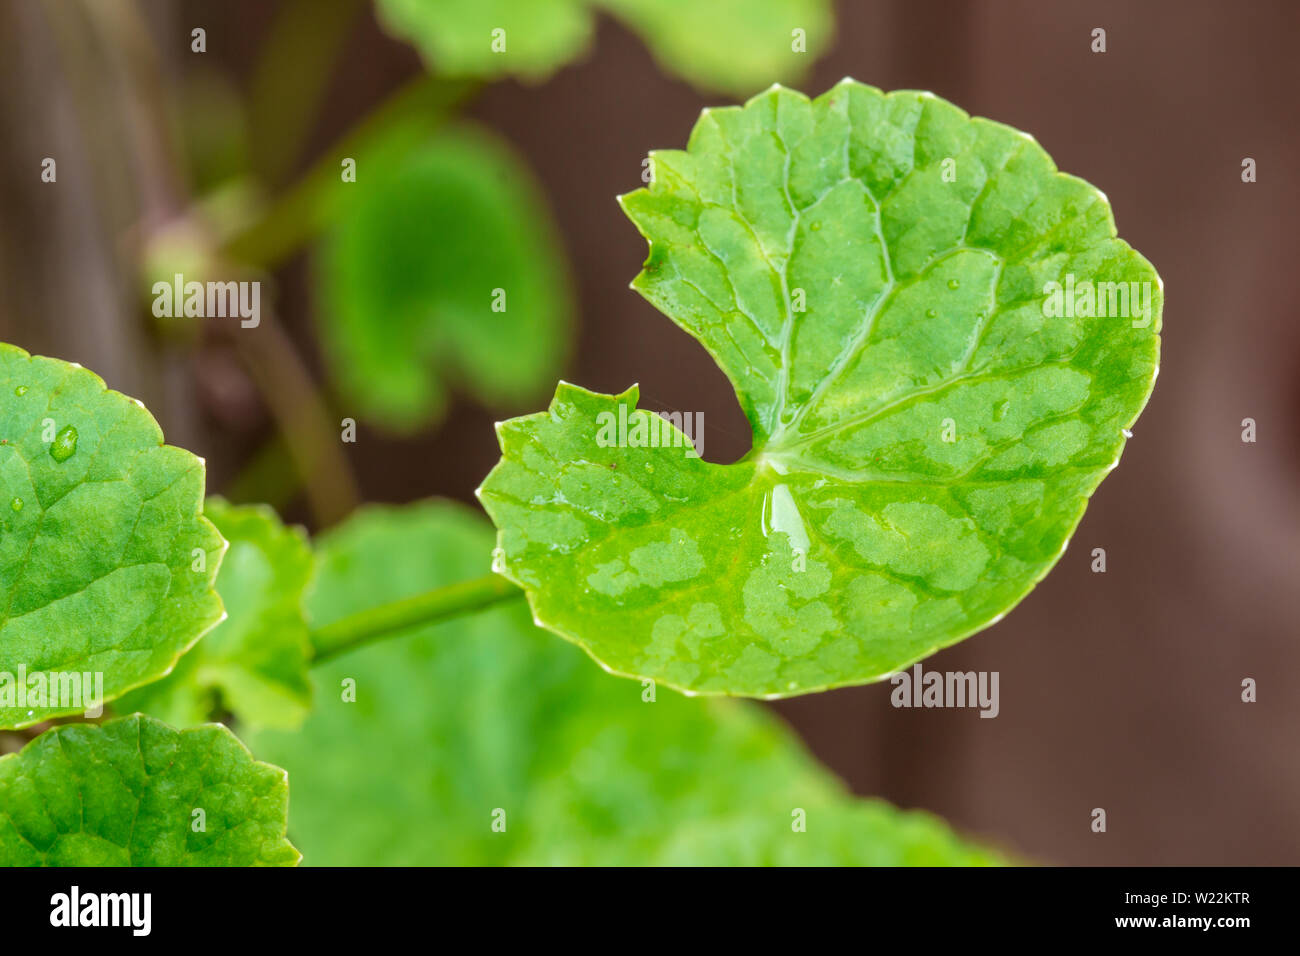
<point x="954" y="283"/>
<point x="64" y="445"/>
<point x="16" y="504"/>
<point x="20" y="391"/>
<point x="930" y="313"/>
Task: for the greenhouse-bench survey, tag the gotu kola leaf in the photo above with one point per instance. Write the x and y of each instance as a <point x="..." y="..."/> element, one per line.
<point x="528" y="753"/>
<point x="255" y="662"/>
<point x="106" y="560"/>
<point x="728" y="45"/>
<point x="897" y="292"/>
<point x="129" y="793"/>
<point x="440" y="251"/>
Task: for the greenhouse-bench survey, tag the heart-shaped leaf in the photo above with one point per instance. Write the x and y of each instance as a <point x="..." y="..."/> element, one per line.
<point x="106" y="561"/>
<point x="940" y="345"/>
<point x="439" y="252"/>
<point x="135" y="792"/>
<point x="483" y="740"/>
<point x="255" y="663"/>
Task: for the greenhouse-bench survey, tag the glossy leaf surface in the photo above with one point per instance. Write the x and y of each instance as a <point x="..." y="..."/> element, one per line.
<point x="106" y="561"/>
<point x="896" y="292"/>
<point x="135" y="792"/>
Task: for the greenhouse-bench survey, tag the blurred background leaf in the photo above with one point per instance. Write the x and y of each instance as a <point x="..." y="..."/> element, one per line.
<point x="456" y="36"/>
<point x="765" y="40"/>
<point x="254" y="663"/>
<point x="409" y="273"/>
<point x="489" y="713"/>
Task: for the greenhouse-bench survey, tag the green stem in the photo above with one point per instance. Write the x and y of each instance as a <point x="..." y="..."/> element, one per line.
<point x="293" y="74"/>
<point x="303" y="419"/>
<point x="430" y="607"/>
<point x="298" y="214"/>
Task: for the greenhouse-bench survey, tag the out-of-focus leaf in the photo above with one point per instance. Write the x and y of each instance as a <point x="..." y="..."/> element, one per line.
<point x="488" y="720"/>
<point x="734" y="46"/>
<point x="457" y="38"/>
<point x="135" y="792"/>
<point x="728" y="45"/>
<point x="253" y="664"/>
<point x="855" y="833"/>
<point x="873" y="273"/>
<point x="106" y="561"/>
<point x="441" y="254"/>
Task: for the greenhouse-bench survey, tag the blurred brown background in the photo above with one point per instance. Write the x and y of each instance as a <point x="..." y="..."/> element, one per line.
<point x="1118" y="690"/>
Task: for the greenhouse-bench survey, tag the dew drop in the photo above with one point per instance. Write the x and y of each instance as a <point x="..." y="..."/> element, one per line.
<point x="815" y="226"/>
<point x="1000" y="412"/>
<point x="16" y="504"/>
<point x="930" y="313"/>
<point x="64" y="445"/>
<point x="20" y="391"/>
<point x="954" y="283"/>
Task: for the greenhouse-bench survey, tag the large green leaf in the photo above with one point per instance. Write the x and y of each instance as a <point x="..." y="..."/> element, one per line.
<point x="487" y="713"/>
<point x="926" y="436"/>
<point x="439" y="252"/>
<point x="106" y="560"/>
<point x="253" y="664"/>
<point x="729" y="45"/>
<point x="135" y="792"/>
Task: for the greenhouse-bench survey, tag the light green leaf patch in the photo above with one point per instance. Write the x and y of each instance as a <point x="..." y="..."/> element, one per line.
<point x="728" y="45"/>
<point x="255" y="663"/>
<point x="530" y="755"/>
<point x="491" y="38"/>
<point x="441" y="251"/>
<point x="732" y="46"/>
<point x="135" y="792"/>
<point x="877" y="276"/>
<point x="106" y="561"/>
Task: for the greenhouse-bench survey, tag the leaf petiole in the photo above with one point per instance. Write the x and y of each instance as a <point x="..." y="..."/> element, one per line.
<point x="430" y="607"/>
<point x="295" y="217"/>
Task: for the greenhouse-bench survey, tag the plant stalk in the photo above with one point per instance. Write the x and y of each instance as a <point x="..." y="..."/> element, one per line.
<point x="303" y="419"/>
<point x="296" y="216"/>
<point x="464" y="597"/>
